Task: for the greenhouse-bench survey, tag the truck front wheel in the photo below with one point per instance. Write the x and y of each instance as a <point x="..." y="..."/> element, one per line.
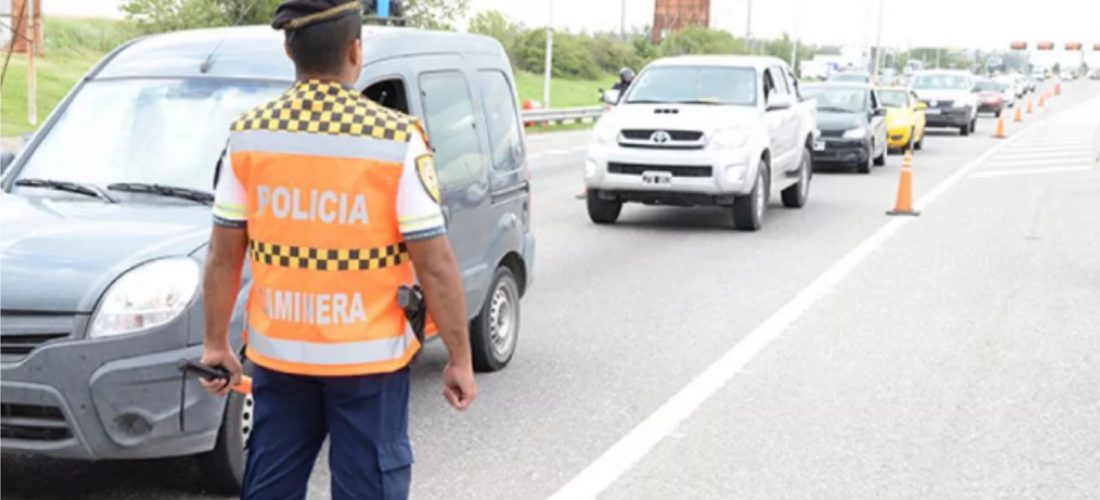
<point x="602" y="211"/>
<point x="748" y="211"/>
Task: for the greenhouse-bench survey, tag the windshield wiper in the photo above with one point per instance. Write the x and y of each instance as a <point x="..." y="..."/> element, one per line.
<point x="834" y="109"/>
<point x="68" y="187"/>
<point x="160" y="190"/>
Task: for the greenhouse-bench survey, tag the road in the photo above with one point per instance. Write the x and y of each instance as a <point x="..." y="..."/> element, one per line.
<point x="837" y="353"/>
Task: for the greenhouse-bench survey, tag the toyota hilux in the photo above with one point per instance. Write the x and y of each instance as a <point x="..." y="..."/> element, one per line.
<point x="724" y="131"/>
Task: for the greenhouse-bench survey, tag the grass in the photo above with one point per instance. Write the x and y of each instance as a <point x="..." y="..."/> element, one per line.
<point x="563" y="93"/>
<point x="72" y="46"/>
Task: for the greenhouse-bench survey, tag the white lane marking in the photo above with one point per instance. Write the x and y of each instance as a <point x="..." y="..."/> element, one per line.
<point x="1029" y="171"/>
<point x="636" y="444"/>
<point x="1044" y="149"/>
<point x="1037" y="163"/>
<point x="1044" y="154"/>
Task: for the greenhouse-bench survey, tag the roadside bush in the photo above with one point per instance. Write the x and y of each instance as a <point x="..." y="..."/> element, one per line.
<point x="699" y="40"/>
<point x="573" y="56"/>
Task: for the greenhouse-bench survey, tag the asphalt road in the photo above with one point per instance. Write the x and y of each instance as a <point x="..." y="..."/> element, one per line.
<point x="952" y="355"/>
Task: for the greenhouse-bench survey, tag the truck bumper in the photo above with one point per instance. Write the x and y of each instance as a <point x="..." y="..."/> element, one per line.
<point x="612" y="168"/>
<point x="847" y="151"/>
<point x="98" y="399"/>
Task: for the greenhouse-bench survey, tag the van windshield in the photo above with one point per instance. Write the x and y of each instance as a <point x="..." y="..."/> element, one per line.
<point x="161" y="131"/>
<point x="695" y="85"/>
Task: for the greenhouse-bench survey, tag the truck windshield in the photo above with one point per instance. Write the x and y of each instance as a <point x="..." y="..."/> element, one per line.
<point x="166" y="132"/>
<point x="695" y="85"/>
<point x="941" y="81"/>
<point x="838" y="99"/>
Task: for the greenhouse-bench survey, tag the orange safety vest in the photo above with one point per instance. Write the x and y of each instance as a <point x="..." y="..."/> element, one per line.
<point x="321" y="166"/>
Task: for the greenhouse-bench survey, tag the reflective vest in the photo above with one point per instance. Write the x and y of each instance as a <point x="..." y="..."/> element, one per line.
<point x="321" y="166"/>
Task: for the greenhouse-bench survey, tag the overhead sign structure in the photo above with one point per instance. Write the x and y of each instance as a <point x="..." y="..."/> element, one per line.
<point x="1073" y="46"/>
<point x="1045" y="45"/>
<point x="1019" y="45"/>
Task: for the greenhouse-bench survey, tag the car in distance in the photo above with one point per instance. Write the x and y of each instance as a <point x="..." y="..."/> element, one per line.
<point x="905" y="121"/>
<point x="727" y="131"/>
<point x="1094" y="74"/>
<point x="991" y="97"/>
<point x="107" y="218"/>
<point x="950" y="97"/>
<point x="850" y="77"/>
<point x="1016" y="85"/>
<point x="852" y="123"/>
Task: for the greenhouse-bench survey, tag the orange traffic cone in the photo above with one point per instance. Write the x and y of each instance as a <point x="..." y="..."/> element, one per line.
<point x="1029" y="111"/>
<point x="1042" y="101"/>
<point x="1019" y="117"/>
<point x="1058" y="88"/>
<point x="904" y="205"/>
<point x="1000" y="133"/>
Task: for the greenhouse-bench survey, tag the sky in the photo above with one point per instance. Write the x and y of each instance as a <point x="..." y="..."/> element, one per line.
<point x="984" y="24"/>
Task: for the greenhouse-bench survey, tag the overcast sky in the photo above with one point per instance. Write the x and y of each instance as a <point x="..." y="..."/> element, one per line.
<point x="951" y="23"/>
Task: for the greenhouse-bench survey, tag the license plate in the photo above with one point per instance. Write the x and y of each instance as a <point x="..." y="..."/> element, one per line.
<point x="932" y="111"/>
<point x="819" y="145"/>
<point x="656" y="178"/>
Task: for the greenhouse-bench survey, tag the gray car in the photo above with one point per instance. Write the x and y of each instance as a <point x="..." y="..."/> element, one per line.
<point x="106" y="217"/>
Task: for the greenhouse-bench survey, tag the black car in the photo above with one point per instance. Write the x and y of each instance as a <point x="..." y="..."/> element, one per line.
<point x="852" y="121"/>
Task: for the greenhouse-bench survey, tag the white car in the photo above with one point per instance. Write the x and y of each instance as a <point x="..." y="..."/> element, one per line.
<point x="704" y="130"/>
<point x="951" y="98"/>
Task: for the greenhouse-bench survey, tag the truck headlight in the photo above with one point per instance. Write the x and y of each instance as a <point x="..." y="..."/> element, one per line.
<point x="855" y="133"/>
<point x="146" y="296"/>
<point x="731" y="138"/>
<point x="604" y="134"/>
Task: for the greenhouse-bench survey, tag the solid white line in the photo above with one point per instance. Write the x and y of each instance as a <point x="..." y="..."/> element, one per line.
<point x="1039" y="163"/>
<point x="1037" y="149"/>
<point x="1029" y="171"/>
<point x="1052" y="152"/>
<point x="636" y="444"/>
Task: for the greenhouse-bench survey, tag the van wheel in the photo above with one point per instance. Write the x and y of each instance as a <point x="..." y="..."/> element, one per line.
<point x="795" y="196"/>
<point x="223" y="467"/>
<point x="602" y="211"/>
<point x="964" y="130"/>
<point x="748" y="211"/>
<point x="495" y="330"/>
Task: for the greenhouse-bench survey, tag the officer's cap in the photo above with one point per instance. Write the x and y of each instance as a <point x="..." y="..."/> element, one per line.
<point x="295" y="14"/>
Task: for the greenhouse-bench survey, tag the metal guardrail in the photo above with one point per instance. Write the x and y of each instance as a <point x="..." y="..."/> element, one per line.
<point x="561" y="115"/>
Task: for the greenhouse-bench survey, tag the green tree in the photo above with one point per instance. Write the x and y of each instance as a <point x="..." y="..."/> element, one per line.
<point x="493" y="23"/>
<point x="435" y="14"/>
<point x="781" y="48"/>
<point x="573" y="55"/>
<point x="173" y="15"/>
<point x="699" y="40"/>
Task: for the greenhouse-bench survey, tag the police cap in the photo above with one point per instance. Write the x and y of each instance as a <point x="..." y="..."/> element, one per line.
<point x="295" y="14"/>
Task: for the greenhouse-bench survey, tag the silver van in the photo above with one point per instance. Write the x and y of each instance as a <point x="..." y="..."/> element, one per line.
<point x="106" y="216"/>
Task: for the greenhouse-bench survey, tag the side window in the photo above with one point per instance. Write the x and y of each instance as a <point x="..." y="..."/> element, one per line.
<point x="780" y="80"/>
<point x="795" y="91"/>
<point x="449" y="114"/>
<point x="389" y="93"/>
<point x="500" y="111"/>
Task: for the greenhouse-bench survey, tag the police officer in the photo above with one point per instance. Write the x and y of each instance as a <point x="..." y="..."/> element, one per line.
<point x="334" y="200"/>
<point x="626" y="77"/>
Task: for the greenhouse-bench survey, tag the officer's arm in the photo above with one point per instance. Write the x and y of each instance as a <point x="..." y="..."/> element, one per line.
<point x="222" y="281"/>
<point x="437" y="270"/>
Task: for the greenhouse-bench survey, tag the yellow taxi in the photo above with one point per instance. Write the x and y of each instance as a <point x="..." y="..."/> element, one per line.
<point x="904" y="118"/>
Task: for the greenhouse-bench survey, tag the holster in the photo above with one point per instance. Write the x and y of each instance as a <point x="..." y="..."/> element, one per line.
<point x="411" y="300"/>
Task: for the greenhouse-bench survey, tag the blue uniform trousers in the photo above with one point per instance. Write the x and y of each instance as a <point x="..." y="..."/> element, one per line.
<point x="366" y="416"/>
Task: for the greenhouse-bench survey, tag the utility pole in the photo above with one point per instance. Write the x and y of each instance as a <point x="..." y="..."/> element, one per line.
<point x="549" y="59"/>
<point x="748" y="27"/>
<point x="878" y="43"/>
<point x="622" y="21"/>
<point x="794" y="41"/>
<point x="32" y="48"/>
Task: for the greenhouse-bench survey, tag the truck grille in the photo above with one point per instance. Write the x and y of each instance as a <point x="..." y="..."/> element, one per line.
<point x="676" y="170"/>
<point x="939" y="104"/>
<point x="33" y="423"/>
<point x="676" y="135"/>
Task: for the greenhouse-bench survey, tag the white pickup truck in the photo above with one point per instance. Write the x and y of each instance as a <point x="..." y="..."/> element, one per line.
<point x="704" y="130"/>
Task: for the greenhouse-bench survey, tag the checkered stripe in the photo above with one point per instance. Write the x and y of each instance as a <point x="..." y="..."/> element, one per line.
<point x="328" y="259"/>
<point x="328" y="109"/>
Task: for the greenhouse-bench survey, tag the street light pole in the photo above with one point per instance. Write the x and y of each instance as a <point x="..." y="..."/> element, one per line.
<point x="549" y="58"/>
<point x="748" y="26"/>
<point x="878" y="43"/>
<point x="622" y="21"/>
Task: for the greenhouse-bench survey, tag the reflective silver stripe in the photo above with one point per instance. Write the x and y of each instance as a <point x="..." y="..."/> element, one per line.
<point x="333" y="146"/>
<point x="343" y="353"/>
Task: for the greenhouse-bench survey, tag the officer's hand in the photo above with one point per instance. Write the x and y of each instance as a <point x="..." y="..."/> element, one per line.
<point x="224" y="357"/>
<point x="459" y="387"/>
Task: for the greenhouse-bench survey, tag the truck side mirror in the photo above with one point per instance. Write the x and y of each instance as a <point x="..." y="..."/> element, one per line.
<point x="611" y="97"/>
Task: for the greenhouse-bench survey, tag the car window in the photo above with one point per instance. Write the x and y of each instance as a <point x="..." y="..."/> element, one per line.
<point x="894" y="98"/>
<point x="449" y="114"/>
<point x="780" y="81"/>
<point x="500" y="112"/>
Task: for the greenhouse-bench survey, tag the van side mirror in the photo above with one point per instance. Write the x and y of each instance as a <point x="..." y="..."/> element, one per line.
<point x="6" y="159"/>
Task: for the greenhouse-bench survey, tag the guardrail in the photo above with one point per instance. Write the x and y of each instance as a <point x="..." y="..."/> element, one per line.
<point x="560" y="115"/>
